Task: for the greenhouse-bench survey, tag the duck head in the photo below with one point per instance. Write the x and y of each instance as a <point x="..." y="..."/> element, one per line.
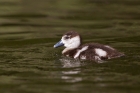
<point x="70" y="40"/>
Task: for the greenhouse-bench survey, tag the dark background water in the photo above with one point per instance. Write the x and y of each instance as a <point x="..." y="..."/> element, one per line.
<point x="30" y="64"/>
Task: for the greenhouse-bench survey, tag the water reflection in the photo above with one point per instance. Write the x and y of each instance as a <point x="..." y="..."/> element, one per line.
<point x="29" y="28"/>
<point x="69" y="62"/>
<point x="70" y="74"/>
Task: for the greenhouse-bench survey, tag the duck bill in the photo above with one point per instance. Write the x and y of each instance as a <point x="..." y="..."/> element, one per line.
<point x="59" y="44"/>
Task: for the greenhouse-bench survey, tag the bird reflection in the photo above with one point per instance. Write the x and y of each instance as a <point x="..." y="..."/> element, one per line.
<point x="70" y="75"/>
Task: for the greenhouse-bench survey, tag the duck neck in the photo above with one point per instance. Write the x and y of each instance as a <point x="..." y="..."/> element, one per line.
<point x="67" y="49"/>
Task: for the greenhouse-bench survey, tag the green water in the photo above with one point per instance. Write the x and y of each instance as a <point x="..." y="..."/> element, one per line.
<point x="30" y="64"/>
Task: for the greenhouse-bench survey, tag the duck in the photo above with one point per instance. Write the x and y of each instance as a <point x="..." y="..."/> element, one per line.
<point x="91" y="51"/>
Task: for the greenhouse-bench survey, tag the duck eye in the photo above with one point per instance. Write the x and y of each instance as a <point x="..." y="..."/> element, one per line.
<point x="66" y="37"/>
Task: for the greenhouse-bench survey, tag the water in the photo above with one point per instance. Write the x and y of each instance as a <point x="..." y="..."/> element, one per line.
<point x="30" y="64"/>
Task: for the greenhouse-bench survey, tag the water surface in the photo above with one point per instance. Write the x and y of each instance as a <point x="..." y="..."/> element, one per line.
<point x="30" y="64"/>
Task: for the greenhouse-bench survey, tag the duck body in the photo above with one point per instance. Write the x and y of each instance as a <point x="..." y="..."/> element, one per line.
<point x="92" y="51"/>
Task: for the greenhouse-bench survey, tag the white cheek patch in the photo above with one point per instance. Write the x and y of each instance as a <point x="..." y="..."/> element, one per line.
<point x="71" y="43"/>
<point x="100" y="52"/>
<point x="79" y="51"/>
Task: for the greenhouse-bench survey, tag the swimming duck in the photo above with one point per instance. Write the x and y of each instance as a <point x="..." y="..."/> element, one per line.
<point x="91" y="51"/>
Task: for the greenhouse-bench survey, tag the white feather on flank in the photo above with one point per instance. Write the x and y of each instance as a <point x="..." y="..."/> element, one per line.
<point x="97" y="58"/>
<point x="79" y="51"/>
<point x="83" y="57"/>
<point x="100" y="52"/>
